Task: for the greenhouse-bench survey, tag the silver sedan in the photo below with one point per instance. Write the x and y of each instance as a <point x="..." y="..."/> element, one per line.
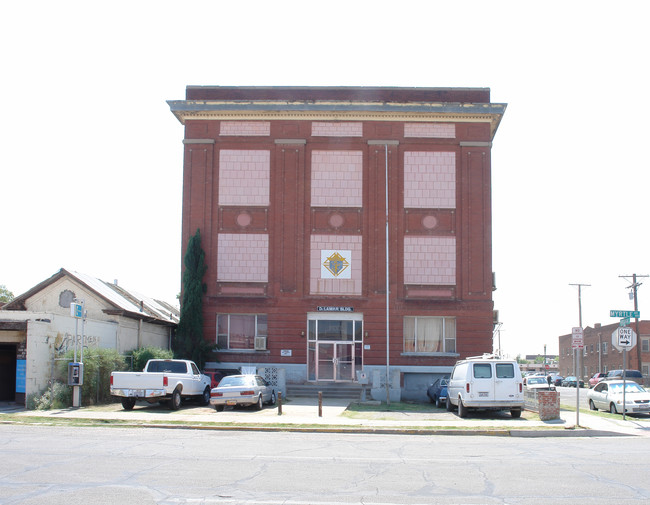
<point x="608" y="395"/>
<point x="244" y="390"/>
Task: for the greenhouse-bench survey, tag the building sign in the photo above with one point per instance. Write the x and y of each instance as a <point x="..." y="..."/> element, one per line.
<point x="285" y="353"/>
<point x="335" y="264"/>
<point x="21" y="369"/>
<point x="335" y="309"/>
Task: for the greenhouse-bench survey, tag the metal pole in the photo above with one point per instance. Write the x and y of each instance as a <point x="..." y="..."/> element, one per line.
<point x="387" y="288"/>
<point x="578" y="351"/>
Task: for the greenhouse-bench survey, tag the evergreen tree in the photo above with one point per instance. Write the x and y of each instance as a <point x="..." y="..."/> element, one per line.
<point x="189" y="342"/>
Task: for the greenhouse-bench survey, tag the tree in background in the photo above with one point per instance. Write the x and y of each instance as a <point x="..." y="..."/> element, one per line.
<point x="189" y="342"/>
<point x="5" y="295"/>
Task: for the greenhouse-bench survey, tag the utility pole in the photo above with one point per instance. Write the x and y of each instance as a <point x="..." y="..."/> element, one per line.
<point x="634" y="287"/>
<point x="578" y="351"/>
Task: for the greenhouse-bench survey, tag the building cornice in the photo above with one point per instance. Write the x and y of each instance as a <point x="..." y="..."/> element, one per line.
<point x="185" y="110"/>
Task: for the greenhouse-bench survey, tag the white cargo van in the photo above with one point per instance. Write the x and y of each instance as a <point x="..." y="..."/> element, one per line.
<point x="486" y="382"/>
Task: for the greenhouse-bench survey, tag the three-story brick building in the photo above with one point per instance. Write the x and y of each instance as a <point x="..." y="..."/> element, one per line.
<point x="312" y="200"/>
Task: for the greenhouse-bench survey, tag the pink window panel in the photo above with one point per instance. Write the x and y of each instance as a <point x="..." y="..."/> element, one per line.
<point x="349" y="287"/>
<point x="430" y="260"/>
<point x="245" y="128"/>
<point x="323" y="129"/>
<point x="243" y="257"/>
<point x="430" y="130"/>
<point x="336" y="179"/>
<point x="430" y="180"/>
<point x="244" y="177"/>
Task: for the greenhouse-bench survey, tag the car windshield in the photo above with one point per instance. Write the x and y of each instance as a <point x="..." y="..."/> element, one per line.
<point x="234" y="380"/>
<point x="630" y="387"/>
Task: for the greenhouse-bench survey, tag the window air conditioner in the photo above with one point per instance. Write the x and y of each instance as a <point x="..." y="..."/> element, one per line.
<point x="260" y="343"/>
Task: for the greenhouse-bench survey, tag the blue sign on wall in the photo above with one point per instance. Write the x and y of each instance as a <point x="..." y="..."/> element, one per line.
<point x="21" y="368"/>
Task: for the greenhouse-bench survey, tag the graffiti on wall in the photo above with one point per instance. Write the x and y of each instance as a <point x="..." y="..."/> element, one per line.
<point x="65" y="342"/>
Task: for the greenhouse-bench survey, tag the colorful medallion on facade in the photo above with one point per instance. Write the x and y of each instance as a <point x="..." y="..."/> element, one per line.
<point x="335" y="264"/>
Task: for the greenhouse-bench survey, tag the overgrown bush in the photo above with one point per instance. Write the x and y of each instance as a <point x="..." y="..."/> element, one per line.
<point x="141" y="356"/>
<point x="98" y="365"/>
<point x="58" y="396"/>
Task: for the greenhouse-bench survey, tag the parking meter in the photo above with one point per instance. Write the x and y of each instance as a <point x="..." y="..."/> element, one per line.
<point x="75" y="374"/>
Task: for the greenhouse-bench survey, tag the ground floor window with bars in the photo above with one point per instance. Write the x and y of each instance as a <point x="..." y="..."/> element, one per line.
<point x="429" y="334"/>
<point x="241" y="331"/>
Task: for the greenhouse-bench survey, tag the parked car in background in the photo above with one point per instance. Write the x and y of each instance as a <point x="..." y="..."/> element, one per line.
<point x="631" y="375"/>
<point x="608" y="395"/>
<point x="217" y="375"/>
<point x="539" y="383"/>
<point x="437" y="392"/>
<point x="572" y="382"/>
<point x="557" y="380"/>
<point x="596" y="378"/>
<point x="244" y="390"/>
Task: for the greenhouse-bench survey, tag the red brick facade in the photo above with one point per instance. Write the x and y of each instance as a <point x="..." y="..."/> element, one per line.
<point x="444" y="232"/>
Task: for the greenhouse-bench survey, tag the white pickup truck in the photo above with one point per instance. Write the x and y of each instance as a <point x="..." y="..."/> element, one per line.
<point x="162" y="380"/>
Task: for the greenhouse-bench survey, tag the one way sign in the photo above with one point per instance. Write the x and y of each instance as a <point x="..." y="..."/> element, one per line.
<point x="623" y="338"/>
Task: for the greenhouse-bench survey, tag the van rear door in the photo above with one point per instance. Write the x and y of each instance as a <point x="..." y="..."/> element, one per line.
<point x="483" y="383"/>
<point x="505" y="385"/>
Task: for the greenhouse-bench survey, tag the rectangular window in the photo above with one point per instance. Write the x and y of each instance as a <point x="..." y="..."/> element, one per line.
<point x="238" y="331"/>
<point x="429" y="334"/>
<point x="482" y="370"/>
<point x="645" y="345"/>
<point x="604" y="347"/>
<point x="505" y="371"/>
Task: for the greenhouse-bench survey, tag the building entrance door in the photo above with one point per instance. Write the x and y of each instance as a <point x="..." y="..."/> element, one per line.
<point x="334" y="346"/>
<point x="335" y="361"/>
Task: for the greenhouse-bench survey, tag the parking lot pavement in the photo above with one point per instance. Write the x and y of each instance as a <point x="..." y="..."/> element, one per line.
<point x="304" y="414"/>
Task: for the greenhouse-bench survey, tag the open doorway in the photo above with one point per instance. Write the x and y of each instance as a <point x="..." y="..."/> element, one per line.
<point x="7" y="372"/>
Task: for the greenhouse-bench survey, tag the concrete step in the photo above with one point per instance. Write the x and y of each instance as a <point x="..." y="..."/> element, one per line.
<point x="329" y="390"/>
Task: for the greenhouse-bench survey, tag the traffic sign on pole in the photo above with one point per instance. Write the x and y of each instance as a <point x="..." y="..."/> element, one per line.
<point x="623" y="338"/>
<point x="577" y="341"/>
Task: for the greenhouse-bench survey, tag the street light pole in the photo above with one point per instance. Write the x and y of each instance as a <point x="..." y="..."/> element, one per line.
<point x="577" y="353"/>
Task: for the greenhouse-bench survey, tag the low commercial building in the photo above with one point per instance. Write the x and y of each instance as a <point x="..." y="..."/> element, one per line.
<point x="37" y="328"/>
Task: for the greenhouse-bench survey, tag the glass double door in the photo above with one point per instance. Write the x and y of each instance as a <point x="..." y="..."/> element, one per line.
<point x="335" y="361"/>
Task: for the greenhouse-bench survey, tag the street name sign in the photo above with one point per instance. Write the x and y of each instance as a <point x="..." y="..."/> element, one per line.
<point x="625" y="313"/>
<point x="623" y="338"/>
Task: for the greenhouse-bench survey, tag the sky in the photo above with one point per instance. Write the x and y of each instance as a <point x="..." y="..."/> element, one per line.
<point x="91" y="157"/>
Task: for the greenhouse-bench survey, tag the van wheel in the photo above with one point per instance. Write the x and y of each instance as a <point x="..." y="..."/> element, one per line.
<point x="128" y="403"/>
<point x="515" y="413"/>
<point x="175" y="402"/>
<point x="462" y="410"/>
<point x="449" y="406"/>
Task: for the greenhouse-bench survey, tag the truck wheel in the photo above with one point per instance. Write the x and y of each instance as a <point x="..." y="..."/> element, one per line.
<point x="462" y="410"/>
<point x="515" y="413"/>
<point x="205" y="397"/>
<point x="175" y="402"/>
<point x="128" y="403"/>
<point x="218" y="408"/>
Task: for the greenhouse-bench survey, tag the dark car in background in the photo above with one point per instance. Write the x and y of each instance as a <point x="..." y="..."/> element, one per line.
<point x="437" y="392"/>
<point x="556" y="380"/>
<point x="572" y="382"/>
<point x="632" y="375"/>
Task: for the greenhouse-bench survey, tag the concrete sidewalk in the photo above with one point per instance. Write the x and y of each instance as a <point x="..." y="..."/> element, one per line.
<point x="302" y="414"/>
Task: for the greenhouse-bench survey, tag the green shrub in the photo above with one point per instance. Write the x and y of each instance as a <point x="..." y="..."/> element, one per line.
<point x="141" y="356"/>
<point x="98" y="365"/>
<point x="58" y="396"/>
